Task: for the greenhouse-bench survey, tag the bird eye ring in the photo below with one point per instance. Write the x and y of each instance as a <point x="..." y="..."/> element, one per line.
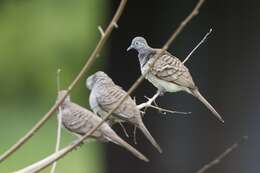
<point x="136" y="43"/>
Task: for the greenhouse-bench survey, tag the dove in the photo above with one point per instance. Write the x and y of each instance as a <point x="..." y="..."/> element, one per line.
<point x="168" y="73"/>
<point x="105" y="95"/>
<point x="79" y="121"/>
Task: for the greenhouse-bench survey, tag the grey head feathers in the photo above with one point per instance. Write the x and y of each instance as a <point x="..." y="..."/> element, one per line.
<point x="140" y="45"/>
<point x="98" y="77"/>
<point x="144" y="50"/>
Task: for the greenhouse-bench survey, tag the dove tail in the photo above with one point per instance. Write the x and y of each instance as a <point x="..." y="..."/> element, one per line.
<point x="197" y="94"/>
<point x="117" y="140"/>
<point x="147" y="134"/>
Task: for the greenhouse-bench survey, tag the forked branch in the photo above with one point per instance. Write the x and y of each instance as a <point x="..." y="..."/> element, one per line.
<point x="150" y="102"/>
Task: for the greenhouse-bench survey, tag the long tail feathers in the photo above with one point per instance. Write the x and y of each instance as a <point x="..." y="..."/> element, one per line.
<point x="197" y="94"/>
<point x="149" y="136"/>
<point x="117" y="140"/>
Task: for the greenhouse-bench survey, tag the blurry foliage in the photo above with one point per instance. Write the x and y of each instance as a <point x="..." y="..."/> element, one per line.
<point x="36" y="38"/>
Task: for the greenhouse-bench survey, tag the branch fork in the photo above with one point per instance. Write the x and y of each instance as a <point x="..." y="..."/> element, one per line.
<point x="151" y="101"/>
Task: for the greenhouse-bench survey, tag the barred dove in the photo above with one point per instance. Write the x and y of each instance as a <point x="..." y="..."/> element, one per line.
<point x="79" y="121"/>
<point x="168" y="74"/>
<point x="105" y="95"/>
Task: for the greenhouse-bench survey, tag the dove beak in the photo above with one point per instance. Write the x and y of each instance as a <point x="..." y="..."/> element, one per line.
<point x="129" y="48"/>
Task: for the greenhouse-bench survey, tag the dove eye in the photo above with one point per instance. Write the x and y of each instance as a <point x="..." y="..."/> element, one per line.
<point x="136" y="43"/>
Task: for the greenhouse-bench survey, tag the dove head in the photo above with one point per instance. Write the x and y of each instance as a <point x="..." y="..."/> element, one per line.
<point x="61" y="94"/>
<point x="98" y="78"/>
<point x="139" y="44"/>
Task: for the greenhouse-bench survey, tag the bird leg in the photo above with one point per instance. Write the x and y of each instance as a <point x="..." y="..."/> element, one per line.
<point x="122" y="126"/>
<point x="135" y="141"/>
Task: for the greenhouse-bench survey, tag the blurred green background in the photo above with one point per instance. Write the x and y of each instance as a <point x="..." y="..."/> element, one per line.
<point x="36" y="38"/>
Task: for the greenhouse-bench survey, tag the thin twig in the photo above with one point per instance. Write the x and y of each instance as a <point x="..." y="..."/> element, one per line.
<point x="38" y="166"/>
<point x="58" y="124"/>
<point x="58" y="80"/>
<point x="162" y="110"/>
<point x="218" y="159"/>
<point x="85" y="68"/>
<point x="150" y="102"/>
<point x="198" y="45"/>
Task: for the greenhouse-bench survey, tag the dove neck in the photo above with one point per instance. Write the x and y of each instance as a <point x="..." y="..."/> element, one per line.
<point x="144" y="55"/>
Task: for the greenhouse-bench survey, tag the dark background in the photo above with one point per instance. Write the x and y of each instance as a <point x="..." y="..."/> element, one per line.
<point x="225" y="68"/>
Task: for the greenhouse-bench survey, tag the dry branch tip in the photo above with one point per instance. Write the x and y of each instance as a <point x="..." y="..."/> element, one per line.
<point x="101" y="31"/>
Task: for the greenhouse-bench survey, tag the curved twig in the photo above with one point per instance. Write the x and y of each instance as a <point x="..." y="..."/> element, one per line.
<point x="90" y="60"/>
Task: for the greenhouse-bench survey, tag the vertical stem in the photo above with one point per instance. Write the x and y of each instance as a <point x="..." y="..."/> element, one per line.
<point x="58" y="138"/>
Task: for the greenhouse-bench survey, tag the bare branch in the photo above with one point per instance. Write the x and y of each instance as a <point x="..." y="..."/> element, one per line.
<point x="49" y="159"/>
<point x="198" y="45"/>
<point x="218" y="159"/>
<point x="46" y="162"/>
<point x="150" y="102"/>
<point x="164" y="111"/>
<point x="194" y="13"/>
<point x="85" y="68"/>
<point x="58" y="124"/>
<point x="58" y="80"/>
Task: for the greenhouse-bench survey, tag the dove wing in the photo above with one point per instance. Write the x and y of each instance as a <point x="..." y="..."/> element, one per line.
<point x="170" y="68"/>
<point x="78" y="119"/>
<point x="109" y="97"/>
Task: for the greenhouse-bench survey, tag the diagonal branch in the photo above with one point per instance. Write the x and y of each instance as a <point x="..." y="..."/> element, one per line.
<point x="85" y="68"/>
<point x="197" y="46"/>
<point x="218" y="159"/>
<point x="56" y="156"/>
